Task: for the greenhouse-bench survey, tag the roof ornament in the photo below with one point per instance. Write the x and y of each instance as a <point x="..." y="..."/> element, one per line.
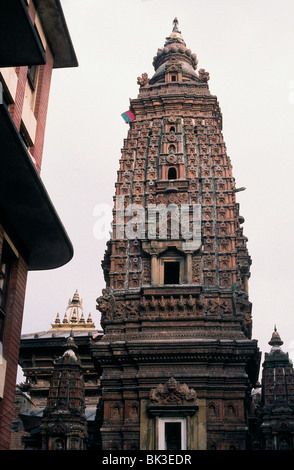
<point x="70" y="354"/>
<point x="73" y="316"/>
<point x="175" y="48"/>
<point x="175" y="27"/>
<point x="275" y="341"/>
<point x="175" y="36"/>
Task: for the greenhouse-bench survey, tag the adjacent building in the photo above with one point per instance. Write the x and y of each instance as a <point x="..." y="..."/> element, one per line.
<point x="272" y="423"/>
<point x="41" y="358"/>
<point x="34" y="40"/>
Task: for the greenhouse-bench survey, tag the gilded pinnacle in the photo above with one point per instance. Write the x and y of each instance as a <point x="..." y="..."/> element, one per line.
<point x="73" y="316"/>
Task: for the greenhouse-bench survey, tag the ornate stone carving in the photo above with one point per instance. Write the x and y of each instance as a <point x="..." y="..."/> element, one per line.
<point x="203" y="75"/>
<point x="196" y="271"/>
<point x="171" y="306"/>
<point x="105" y="302"/>
<point x="172" y="393"/>
<point x="143" y="80"/>
<point x="219" y="306"/>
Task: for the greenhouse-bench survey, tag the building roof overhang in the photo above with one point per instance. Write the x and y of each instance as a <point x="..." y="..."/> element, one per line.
<point x="56" y="31"/>
<point x="19" y="41"/>
<point x="25" y="206"/>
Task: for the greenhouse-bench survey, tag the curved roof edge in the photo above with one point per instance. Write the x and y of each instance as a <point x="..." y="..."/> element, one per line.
<point x="57" y="34"/>
<point x="25" y="205"/>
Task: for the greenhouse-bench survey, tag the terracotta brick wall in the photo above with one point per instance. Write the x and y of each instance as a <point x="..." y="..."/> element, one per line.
<point x="41" y="103"/>
<point x="11" y="341"/>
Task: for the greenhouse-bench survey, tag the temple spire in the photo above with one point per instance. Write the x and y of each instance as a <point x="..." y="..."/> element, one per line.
<point x="175" y="26"/>
<point x="174" y="53"/>
<point x="176" y="35"/>
<point x="275" y="339"/>
<point x="64" y="424"/>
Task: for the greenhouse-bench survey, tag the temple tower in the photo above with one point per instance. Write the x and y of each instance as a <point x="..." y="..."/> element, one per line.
<point x="276" y="412"/>
<point x="64" y="424"/>
<point x="177" y="355"/>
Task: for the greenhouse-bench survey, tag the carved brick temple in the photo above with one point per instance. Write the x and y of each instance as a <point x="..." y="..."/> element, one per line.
<point x="175" y="310"/>
<point x="175" y="366"/>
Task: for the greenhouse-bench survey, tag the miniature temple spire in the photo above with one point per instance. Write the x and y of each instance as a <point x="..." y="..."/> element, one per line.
<point x="175" y="26"/>
<point x="82" y="320"/>
<point x="65" y="318"/>
<point x="176" y="35"/>
<point x="89" y="319"/>
<point x="76" y="297"/>
<point x="70" y="349"/>
<point x="65" y="403"/>
<point x="275" y="341"/>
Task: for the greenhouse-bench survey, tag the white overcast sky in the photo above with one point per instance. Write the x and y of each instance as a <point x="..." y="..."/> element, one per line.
<point x="247" y="46"/>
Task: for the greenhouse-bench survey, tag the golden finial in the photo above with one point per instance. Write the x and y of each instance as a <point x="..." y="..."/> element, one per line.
<point x="175" y="26"/>
<point x="65" y="319"/>
<point x="82" y="320"/>
<point x="74" y="316"/>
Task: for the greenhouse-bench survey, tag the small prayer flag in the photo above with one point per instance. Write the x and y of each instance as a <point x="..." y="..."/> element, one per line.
<point x="128" y="116"/>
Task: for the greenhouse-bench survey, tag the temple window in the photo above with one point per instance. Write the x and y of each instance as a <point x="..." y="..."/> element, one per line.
<point x="171" y="268"/>
<point x="172" y="173"/>
<point x="171" y="272"/>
